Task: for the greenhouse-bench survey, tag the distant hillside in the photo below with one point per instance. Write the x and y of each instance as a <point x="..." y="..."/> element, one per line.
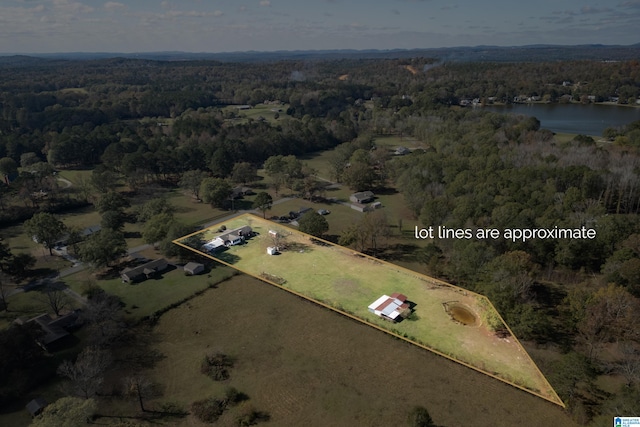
<point x="533" y="53"/>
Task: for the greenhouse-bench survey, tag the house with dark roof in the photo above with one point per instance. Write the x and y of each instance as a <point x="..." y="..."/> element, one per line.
<point x="144" y="271"/>
<point x="36" y="406"/>
<point x="362" y="197"/>
<point x="53" y="330"/>
<point x="239" y="192"/>
<point x="393" y="307"/>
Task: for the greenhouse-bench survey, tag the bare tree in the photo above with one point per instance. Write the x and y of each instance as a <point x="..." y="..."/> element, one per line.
<point x="368" y="233"/>
<point x="141" y="388"/>
<point x="376" y="226"/>
<point x="629" y="364"/>
<point x="278" y="238"/>
<point x="54" y="296"/>
<point x="84" y="187"/>
<point x="103" y="315"/>
<point x="609" y="316"/>
<point x="86" y="375"/>
<point x="4" y="293"/>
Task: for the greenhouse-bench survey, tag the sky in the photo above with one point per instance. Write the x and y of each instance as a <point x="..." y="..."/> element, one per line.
<point x="47" y="26"/>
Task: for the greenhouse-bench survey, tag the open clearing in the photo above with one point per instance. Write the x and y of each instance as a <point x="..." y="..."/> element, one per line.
<point x="152" y="295"/>
<point x="307" y="366"/>
<point x="348" y="282"/>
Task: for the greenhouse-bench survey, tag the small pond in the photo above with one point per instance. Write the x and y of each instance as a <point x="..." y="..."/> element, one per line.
<point x="462" y="314"/>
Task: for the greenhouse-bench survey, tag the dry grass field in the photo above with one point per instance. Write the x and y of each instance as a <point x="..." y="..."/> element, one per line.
<point x="349" y="282"/>
<point x="307" y="366"/>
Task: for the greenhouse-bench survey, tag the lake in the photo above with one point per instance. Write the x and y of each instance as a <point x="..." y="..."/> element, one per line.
<point x="588" y="119"/>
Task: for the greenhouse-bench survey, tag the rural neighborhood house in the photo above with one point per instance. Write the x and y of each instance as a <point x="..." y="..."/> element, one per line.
<point x="144" y="271"/>
<point x="228" y="238"/>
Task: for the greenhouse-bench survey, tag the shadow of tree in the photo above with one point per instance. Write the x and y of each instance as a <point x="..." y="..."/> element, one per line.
<point x="227" y="257"/>
<point x="298" y="247"/>
<point x="137" y="348"/>
<point x="132" y="235"/>
<point x="400" y="251"/>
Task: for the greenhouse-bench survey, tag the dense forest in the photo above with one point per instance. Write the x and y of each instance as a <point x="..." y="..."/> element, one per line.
<point x="148" y="122"/>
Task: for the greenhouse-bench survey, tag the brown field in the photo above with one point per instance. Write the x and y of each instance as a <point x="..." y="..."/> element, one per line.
<point x="348" y="282"/>
<point x="308" y="366"/>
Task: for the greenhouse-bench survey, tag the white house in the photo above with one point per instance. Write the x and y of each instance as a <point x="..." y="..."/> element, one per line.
<point x="213" y="245"/>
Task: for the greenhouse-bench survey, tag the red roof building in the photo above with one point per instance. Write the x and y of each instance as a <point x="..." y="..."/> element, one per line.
<point x="390" y="307"/>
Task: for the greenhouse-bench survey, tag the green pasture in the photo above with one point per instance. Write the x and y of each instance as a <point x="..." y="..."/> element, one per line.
<point x="20" y="242"/>
<point x="81" y="218"/>
<point x="260" y="110"/>
<point x="319" y="161"/>
<point x="23" y="304"/>
<point x="29" y="304"/>
<point x="190" y="211"/>
<point x="349" y="282"/>
<point x="76" y="176"/>
<point x="144" y="298"/>
<point x="339" y="219"/>
<point x="391" y="142"/>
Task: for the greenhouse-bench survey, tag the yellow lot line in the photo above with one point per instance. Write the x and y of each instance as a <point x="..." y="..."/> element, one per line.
<point x="254" y="218"/>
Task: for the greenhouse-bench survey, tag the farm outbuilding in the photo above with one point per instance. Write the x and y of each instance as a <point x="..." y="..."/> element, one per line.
<point x="360" y="207"/>
<point x="392" y="307"/>
<point x="193" y="268"/>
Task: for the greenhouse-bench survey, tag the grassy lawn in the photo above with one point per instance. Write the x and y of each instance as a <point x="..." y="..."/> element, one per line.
<point x="20" y="242"/>
<point x="24" y="304"/>
<point x="144" y="298"/>
<point x="81" y="218"/>
<point x="350" y="282"/>
<point x="76" y="175"/>
<point x="320" y="162"/>
<point x="29" y="304"/>
<point x="190" y="211"/>
<point x="391" y="142"/>
<point x="340" y="217"/>
<point x="320" y="159"/>
<point x="304" y="365"/>
<point x="260" y="110"/>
